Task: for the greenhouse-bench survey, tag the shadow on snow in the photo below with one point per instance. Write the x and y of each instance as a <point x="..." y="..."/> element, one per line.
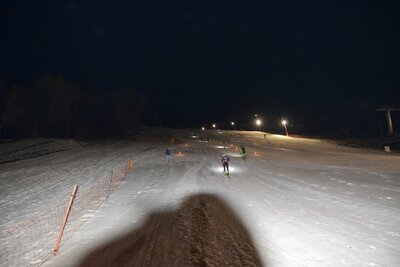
<point x="204" y="231"/>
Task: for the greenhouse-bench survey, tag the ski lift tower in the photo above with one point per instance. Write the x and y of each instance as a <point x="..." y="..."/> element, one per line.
<point x="389" y="109"/>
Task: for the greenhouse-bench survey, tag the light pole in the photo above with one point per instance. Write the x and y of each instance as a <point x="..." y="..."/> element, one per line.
<point x="258" y="123"/>
<point x="284" y="122"/>
<point x="389" y="109"/>
<point x="233" y="125"/>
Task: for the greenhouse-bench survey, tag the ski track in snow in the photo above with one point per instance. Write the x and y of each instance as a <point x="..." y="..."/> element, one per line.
<point x="303" y="202"/>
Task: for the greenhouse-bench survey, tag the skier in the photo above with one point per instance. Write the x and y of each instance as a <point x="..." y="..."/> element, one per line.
<point x="225" y="164"/>
<point x="243" y="152"/>
<point x="168" y="155"/>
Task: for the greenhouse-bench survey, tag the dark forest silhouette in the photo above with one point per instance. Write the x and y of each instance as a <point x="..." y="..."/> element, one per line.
<point x="56" y="107"/>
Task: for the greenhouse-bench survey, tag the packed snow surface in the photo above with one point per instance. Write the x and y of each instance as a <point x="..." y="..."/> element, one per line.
<point x="292" y="202"/>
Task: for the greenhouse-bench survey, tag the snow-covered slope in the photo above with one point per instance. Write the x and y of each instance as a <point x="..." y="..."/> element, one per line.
<point x="293" y="202"/>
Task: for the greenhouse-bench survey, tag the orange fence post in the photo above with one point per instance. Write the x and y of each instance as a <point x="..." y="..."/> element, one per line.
<point x="130" y="165"/>
<point x="71" y="201"/>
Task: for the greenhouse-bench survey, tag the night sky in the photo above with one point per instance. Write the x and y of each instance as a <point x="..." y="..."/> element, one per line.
<point x="318" y="64"/>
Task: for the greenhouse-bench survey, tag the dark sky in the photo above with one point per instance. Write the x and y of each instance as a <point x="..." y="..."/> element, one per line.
<point x="199" y="61"/>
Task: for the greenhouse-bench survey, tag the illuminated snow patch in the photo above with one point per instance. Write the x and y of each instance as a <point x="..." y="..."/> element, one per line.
<point x="280" y="136"/>
<point x="219" y="146"/>
<point x="235" y="155"/>
<point x="221" y="169"/>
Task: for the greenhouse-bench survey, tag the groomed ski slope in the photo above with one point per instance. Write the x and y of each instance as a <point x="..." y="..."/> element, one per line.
<point x="293" y="202"/>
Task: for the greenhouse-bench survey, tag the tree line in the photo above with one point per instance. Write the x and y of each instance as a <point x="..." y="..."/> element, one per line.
<point x="56" y="107"/>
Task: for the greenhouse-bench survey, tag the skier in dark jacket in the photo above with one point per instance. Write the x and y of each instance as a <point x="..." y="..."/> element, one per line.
<point x="243" y="152"/>
<point x="225" y="162"/>
<point x="168" y="155"/>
